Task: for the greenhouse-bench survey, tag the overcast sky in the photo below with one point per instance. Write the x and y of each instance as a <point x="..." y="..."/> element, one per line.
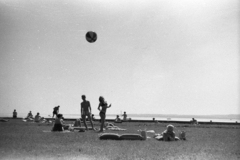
<point x="159" y="56"/>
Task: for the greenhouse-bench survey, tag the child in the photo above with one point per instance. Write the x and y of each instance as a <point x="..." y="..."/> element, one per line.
<point x="103" y="104"/>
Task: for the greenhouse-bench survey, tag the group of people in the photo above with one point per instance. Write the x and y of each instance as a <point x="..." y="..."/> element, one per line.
<point x="86" y="112"/>
<point x="36" y="118"/>
<point x="119" y="120"/>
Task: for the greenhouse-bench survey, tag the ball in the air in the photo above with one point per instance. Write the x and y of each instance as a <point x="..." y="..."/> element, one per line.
<point x="91" y="36"/>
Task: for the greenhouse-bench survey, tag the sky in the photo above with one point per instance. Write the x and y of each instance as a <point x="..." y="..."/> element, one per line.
<point x="151" y="57"/>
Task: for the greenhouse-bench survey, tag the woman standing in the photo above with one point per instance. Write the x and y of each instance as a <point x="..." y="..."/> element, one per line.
<point x="103" y="104"/>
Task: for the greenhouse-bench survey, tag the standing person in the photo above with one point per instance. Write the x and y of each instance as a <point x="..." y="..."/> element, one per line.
<point x="86" y="111"/>
<point x="125" y="116"/>
<point x="14" y="113"/>
<point x="103" y="104"/>
<point x="55" y="111"/>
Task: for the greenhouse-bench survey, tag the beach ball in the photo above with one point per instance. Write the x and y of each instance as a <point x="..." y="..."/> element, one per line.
<point x="91" y="36"/>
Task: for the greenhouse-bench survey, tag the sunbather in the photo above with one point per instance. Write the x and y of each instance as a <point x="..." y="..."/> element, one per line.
<point x="167" y="135"/>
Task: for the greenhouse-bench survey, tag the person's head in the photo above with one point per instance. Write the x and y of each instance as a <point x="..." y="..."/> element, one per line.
<point x="170" y="128"/>
<point x="101" y="99"/>
<point x="83" y="97"/>
<point x="14" y="110"/>
<point x="59" y="116"/>
<point x="38" y="113"/>
<point x="124" y="112"/>
<point x="30" y="112"/>
<point x="117" y="116"/>
<point x="58" y="106"/>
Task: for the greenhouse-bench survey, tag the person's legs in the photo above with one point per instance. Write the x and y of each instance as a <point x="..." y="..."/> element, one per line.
<point x="102" y="115"/>
<point x="90" y="119"/>
<point x="84" y="121"/>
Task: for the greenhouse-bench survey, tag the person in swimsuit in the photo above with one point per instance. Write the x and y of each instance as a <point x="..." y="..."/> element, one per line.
<point x="103" y="104"/>
<point x="55" y="111"/>
<point x="86" y="111"/>
<point x="59" y="124"/>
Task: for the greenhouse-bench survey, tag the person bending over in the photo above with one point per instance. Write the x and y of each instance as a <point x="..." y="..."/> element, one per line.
<point x="55" y="111"/>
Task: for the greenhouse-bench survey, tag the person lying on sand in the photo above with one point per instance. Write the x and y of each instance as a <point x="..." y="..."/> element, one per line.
<point x="59" y="124"/>
<point x="110" y="126"/>
<point x="167" y="135"/>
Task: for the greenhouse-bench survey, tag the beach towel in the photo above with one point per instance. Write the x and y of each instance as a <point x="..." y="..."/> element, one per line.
<point x="3" y="120"/>
<point x="65" y="131"/>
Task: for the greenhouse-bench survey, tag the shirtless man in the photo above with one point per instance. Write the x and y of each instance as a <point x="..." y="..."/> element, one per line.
<point x="86" y="111"/>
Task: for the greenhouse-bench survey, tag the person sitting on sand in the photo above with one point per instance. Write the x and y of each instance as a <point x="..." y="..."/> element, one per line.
<point x="194" y="121"/>
<point x="86" y="111"/>
<point x="14" y="113"/>
<point x="168" y="134"/>
<point x="103" y="104"/>
<point x="29" y="117"/>
<point x="118" y="120"/>
<point x="59" y="124"/>
<point x="55" y="111"/>
<point x="38" y="118"/>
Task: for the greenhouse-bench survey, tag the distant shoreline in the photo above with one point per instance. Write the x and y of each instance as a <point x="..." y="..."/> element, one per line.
<point x="151" y="121"/>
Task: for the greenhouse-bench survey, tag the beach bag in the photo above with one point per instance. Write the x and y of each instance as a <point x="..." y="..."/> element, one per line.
<point x="111" y="136"/>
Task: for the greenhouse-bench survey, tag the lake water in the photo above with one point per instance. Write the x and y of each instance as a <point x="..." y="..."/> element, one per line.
<point x="134" y="117"/>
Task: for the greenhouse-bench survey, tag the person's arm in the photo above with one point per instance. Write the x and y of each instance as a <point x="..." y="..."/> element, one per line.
<point x="109" y="106"/>
<point x="89" y="105"/>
